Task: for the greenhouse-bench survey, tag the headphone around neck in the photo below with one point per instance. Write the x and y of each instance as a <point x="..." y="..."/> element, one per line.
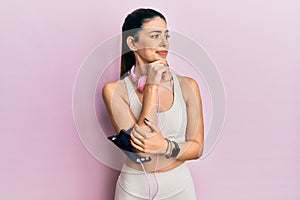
<point x="141" y="81"/>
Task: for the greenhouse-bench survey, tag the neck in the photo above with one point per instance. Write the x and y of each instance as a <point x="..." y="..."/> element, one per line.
<point x="140" y="68"/>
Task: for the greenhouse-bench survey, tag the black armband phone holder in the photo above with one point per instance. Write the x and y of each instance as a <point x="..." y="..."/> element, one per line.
<point x="122" y="140"/>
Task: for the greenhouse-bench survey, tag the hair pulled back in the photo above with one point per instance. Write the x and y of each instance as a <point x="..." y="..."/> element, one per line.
<point x="132" y="24"/>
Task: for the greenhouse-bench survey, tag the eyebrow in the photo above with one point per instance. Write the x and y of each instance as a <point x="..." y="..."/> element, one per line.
<point x="157" y="31"/>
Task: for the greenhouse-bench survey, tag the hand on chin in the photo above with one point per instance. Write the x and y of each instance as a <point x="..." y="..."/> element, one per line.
<point x="166" y="76"/>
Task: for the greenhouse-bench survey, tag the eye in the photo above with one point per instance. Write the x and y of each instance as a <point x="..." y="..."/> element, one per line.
<point x="155" y="36"/>
<point x="167" y="36"/>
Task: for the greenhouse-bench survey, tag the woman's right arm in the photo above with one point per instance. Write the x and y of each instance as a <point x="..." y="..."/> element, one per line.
<point x="118" y="110"/>
<point x="150" y="99"/>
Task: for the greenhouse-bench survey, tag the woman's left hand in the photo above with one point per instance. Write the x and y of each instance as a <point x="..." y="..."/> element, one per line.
<point x="148" y="141"/>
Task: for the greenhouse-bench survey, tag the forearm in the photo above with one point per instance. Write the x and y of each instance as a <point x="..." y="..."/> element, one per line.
<point x="189" y="150"/>
<point x="150" y="101"/>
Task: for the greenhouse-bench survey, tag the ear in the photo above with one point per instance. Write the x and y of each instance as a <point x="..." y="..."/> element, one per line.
<point x="131" y="43"/>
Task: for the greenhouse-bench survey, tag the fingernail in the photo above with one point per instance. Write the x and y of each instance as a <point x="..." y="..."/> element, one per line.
<point x="145" y="119"/>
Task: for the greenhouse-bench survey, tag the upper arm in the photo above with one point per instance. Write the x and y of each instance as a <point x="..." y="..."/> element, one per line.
<point x="195" y="126"/>
<point x="118" y="110"/>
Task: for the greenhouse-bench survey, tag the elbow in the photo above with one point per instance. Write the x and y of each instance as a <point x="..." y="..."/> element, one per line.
<point x="199" y="152"/>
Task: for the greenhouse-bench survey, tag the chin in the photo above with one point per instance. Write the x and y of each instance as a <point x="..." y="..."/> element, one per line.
<point x="153" y="58"/>
<point x="160" y="58"/>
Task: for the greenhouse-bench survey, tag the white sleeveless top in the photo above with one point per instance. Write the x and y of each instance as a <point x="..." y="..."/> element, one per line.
<point x="172" y="122"/>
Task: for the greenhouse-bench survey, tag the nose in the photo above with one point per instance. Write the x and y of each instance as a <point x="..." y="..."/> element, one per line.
<point x="164" y="42"/>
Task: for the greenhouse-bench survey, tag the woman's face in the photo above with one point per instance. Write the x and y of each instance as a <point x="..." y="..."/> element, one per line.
<point x="152" y="41"/>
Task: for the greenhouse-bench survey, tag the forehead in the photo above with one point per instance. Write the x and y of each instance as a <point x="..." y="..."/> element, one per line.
<point x="155" y="23"/>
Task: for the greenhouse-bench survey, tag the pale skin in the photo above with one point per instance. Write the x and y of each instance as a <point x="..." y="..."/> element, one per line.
<point x="146" y="137"/>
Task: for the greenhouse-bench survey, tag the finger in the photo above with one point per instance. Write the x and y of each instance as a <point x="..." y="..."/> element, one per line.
<point x="162" y="69"/>
<point x="163" y="61"/>
<point x="159" y="70"/>
<point x="136" y="140"/>
<point x="137" y="147"/>
<point x="156" y="67"/>
<point x="159" y="64"/>
<point x="151" y="125"/>
<point x="166" y="76"/>
<point x="167" y="72"/>
<point x="137" y="136"/>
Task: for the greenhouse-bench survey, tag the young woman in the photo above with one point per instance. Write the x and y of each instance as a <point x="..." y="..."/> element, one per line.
<point x="161" y="110"/>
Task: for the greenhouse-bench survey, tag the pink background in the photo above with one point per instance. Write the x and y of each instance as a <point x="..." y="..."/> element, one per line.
<point x="255" y="45"/>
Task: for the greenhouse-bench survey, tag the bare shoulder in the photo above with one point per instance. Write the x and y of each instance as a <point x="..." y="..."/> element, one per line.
<point x="116" y="88"/>
<point x="187" y="81"/>
<point x="188" y="86"/>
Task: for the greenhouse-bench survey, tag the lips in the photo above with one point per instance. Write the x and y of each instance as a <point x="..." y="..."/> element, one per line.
<point x="162" y="52"/>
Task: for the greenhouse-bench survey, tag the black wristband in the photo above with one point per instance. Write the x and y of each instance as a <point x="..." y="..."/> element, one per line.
<point x="175" y="150"/>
